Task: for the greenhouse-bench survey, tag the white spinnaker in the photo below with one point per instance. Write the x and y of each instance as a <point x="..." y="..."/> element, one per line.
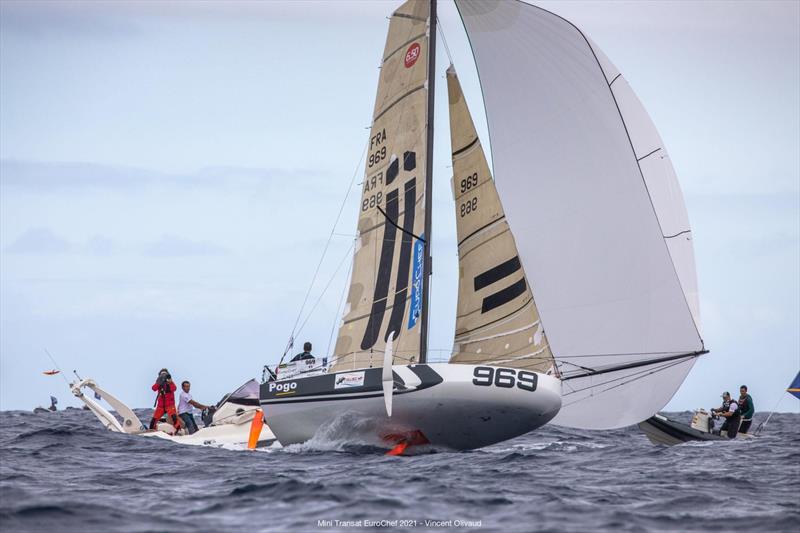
<point x="586" y="227"/>
<point x="662" y="183"/>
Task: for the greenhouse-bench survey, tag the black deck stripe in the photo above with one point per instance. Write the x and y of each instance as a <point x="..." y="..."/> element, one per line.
<point x="428" y="377"/>
<point x="495" y="274"/>
<point x="462" y="241"/>
<point x="493" y="301"/>
<point x="308" y="398"/>
<point x="404" y="262"/>
<point x="615" y="77"/>
<point x="467" y="147"/>
<point x="384" y="276"/>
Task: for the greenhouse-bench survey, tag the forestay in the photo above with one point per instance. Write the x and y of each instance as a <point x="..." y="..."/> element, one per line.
<point x="386" y="286"/>
<point x="496" y="318"/>
<point x="591" y="222"/>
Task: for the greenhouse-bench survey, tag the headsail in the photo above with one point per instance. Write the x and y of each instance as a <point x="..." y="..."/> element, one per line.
<point x="386" y="286"/>
<point x="496" y="319"/>
<point x="596" y="248"/>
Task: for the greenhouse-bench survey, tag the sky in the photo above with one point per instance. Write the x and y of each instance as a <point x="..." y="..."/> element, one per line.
<point x="170" y="174"/>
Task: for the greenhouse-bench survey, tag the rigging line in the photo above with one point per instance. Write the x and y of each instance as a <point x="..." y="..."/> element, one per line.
<point x="637" y="378"/>
<point x="645" y="371"/>
<point x="563" y="358"/>
<point x="325" y="250"/>
<point x="339" y="308"/>
<point x="327" y="286"/>
<point x="562" y="361"/>
<point x="763" y="424"/>
<point x="57" y="367"/>
<point x="444" y="41"/>
<point x="575" y="364"/>
<point x="637" y="364"/>
<point x="393" y="223"/>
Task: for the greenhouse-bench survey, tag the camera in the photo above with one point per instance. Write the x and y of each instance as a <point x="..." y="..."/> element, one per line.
<point x="163" y="377"/>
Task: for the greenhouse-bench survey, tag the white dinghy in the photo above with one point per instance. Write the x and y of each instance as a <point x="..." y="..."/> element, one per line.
<point x="230" y="422"/>
<point x="581" y="234"/>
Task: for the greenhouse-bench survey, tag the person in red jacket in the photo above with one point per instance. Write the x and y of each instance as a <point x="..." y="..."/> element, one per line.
<point x="165" y="401"/>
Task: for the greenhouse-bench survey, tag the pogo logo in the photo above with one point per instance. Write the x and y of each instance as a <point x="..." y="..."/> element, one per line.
<point x="283" y="387"/>
<point x="412" y="54"/>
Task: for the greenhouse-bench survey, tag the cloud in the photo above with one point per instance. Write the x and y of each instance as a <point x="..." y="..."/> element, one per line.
<point x="34" y="175"/>
<point x="173" y="246"/>
<point x="39" y="241"/>
<point x="99" y="245"/>
<point x="38" y="176"/>
<point x="52" y="18"/>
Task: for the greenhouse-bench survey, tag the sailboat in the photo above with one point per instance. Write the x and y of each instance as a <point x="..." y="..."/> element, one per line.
<point x="577" y="295"/>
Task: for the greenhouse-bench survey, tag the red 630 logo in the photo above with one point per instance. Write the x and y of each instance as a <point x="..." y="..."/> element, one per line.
<point x="412" y="54"/>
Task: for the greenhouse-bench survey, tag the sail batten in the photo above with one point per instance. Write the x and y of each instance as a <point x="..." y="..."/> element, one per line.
<point x="595" y="208"/>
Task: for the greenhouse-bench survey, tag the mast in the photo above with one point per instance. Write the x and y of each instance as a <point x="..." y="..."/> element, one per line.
<point x="427" y="266"/>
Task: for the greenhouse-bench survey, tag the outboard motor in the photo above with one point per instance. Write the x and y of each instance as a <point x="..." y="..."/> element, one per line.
<point x="702" y="421"/>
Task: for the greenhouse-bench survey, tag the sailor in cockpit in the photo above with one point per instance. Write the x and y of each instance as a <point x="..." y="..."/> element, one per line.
<point x="306" y="353"/>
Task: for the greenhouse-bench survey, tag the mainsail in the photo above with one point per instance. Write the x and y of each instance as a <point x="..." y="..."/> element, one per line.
<point x="497" y="321"/>
<point x="596" y="212"/>
<point x="385" y="296"/>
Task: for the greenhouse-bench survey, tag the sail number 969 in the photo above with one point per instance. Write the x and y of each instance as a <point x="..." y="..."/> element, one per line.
<point x="469" y="206"/>
<point x="469" y="182"/>
<point x="505" y="378"/>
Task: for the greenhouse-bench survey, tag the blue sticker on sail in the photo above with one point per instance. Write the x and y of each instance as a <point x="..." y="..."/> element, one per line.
<point x="416" y="282"/>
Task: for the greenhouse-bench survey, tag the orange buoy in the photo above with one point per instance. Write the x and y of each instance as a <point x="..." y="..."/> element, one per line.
<point x="255" y="429"/>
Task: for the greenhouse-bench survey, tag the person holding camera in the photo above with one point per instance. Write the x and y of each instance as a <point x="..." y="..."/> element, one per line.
<point x="165" y="400"/>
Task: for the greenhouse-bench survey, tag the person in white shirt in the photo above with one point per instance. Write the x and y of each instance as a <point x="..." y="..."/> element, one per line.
<point x="730" y="412"/>
<point x="185" y="405"/>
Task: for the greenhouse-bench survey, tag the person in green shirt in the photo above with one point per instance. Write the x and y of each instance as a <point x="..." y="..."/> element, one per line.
<point x="747" y="409"/>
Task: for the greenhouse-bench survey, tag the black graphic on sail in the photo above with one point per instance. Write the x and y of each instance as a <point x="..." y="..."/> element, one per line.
<point x="385" y="267"/>
<point x="495" y="274"/>
<point x="404" y="263"/>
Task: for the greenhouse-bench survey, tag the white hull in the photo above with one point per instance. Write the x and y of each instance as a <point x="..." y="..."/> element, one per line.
<point x="442" y="401"/>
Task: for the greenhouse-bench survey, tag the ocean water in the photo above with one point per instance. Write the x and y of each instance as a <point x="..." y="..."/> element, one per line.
<point x="62" y="472"/>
